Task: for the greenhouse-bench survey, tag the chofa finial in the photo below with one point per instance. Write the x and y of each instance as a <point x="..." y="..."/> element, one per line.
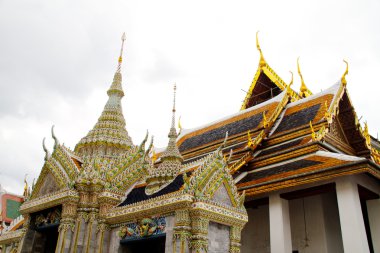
<point x="47" y="155"/>
<point x="262" y="60"/>
<point x="56" y="142"/>
<point x="304" y="91"/>
<point x="343" y="79"/>
<point x="291" y="80"/>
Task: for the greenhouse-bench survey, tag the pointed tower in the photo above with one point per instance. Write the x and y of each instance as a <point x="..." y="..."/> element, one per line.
<point x="171" y="161"/>
<point x="109" y="137"/>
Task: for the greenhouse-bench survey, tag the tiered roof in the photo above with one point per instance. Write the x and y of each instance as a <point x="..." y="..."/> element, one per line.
<point x="109" y="137"/>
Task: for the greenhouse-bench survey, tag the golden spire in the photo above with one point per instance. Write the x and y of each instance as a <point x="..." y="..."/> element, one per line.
<point x="123" y="37"/>
<point x="262" y="60"/>
<point x="343" y="79"/>
<point x="304" y="91"/>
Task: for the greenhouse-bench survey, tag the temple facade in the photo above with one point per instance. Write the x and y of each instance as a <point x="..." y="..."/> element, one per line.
<point x="292" y="171"/>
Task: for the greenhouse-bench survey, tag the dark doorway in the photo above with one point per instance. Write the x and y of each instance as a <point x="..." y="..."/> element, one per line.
<point x="46" y="239"/>
<point x="144" y="245"/>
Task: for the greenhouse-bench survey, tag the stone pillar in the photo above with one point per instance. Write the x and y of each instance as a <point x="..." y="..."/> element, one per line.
<point x="373" y="208"/>
<point x="351" y="217"/>
<point x="199" y="237"/>
<point x="79" y="231"/>
<point x="235" y="237"/>
<point x="66" y="227"/>
<point x="181" y="232"/>
<point x="89" y="244"/>
<point x="280" y="232"/>
<point x="102" y="231"/>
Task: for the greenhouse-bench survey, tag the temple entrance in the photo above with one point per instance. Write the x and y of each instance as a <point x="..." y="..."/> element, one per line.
<point x="150" y="244"/>
<point x="46" y="239"/>
<point x="42" y="235"/>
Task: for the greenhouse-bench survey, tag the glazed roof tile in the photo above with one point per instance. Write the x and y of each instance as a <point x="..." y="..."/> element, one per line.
<point x="138" y="194"/>
<point x="241" y="122"/>
<point x="312" y="163"/>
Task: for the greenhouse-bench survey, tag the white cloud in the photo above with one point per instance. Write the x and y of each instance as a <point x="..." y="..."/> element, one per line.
<point x="57" y="59"/>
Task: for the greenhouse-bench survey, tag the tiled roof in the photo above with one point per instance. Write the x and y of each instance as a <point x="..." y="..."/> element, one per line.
<point x="138" y="194"/>
<point x="280" y="147"/>
<point x="279" y="169"/>
<point x="299" y="118"/>
<point x="220" y="132"/>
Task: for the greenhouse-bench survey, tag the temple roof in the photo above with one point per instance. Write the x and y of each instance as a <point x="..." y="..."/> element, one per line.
<point x="265" y="85"/>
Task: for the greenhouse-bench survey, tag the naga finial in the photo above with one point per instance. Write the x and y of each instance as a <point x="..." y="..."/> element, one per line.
<point x="56" y="142"/>
<point x="150" y="145"/>
<point x="262" y="60"/>
<point x="123" y="37"/>
<point x="142" y="145"/>
<point x="47" y="155"/>
<point x="343" y="79"/>
<point x="313" y="134"/>
<point x="265" y="121"/>
<point x="225" y="140"/>
<point x="304" y="91"/>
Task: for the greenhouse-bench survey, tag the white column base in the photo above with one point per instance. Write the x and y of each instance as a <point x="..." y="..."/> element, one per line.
<point x="351" y="218"/>
<point x="280" y="232"/>
<point x="373" y="208"/>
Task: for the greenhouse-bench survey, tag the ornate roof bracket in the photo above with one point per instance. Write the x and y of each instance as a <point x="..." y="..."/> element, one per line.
<point x="267" y="124"/>
<point x="320" y="134"/>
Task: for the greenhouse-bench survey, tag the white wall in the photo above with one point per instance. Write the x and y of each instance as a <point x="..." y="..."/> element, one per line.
<point x="255" y="236"/>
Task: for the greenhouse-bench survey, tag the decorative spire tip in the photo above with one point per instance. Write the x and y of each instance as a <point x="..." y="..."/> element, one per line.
<point x="343" y="79"/>
<point x="262" y="60"/>
<point x="123" y="37"/>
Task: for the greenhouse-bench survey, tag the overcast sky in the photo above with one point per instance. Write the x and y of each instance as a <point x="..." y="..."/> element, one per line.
<point x="57" y="60"/>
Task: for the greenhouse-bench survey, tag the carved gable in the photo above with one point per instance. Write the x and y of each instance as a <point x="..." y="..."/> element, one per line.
<point x="221" y="195"/>
<point x="48" y="186"/>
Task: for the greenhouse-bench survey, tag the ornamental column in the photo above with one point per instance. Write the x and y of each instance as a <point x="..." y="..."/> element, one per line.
<point x="182" y="232"/>
<point x="280" y="231"/>
<point x="351" y="217"/>
<point x="235" y="237"/>
<point x="199" y="237"/>
<point x="66" y="227"/>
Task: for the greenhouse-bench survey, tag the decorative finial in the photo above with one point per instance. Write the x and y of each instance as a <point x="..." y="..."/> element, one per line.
<point x="174" y="97"/>
<point x="123" y="37"/>
<point x="291" y="81"/>
<point x="265" y="121"/>
<point x="56" y="142"/>
<point x="47" y="155"/>
<point x="149" y="149"/>
<point x="343" y="79"/>
<point x="304" y="91"/>
<point x="225" y="140"/>
<point x="262" y="60"/>
<point x="179" y="125"/>
<point x="313" y="135"/>
<point x="26" y="192"/>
